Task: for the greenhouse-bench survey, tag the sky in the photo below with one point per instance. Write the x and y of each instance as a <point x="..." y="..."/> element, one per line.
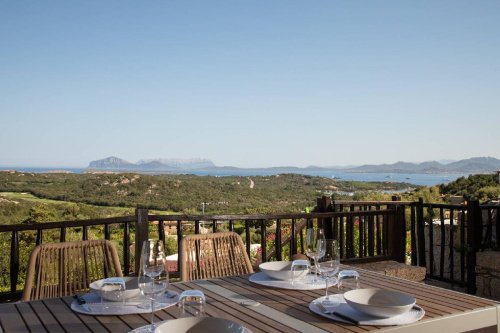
<point x="249" y="83"/>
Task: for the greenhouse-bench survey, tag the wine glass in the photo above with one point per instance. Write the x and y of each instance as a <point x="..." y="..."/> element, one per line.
<point x="329" y="265"/>
<point x="315" y="246"/>
<point x="153" y="276"/>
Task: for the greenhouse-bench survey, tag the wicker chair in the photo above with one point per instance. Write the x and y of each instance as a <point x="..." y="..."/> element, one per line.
<point x="64" y="269"/>
<point x="207" y="256"/>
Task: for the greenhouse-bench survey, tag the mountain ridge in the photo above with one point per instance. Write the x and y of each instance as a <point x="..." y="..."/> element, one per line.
<point x="472" y="165"/>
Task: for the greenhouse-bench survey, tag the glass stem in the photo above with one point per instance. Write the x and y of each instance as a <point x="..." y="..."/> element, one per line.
<point x="326" y="289"/>
<point x="315" y="269"/>
<point x="152" y="315"/>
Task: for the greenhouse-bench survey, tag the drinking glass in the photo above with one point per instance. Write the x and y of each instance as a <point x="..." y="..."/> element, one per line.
<point x="329" y="265"/>
<point x="153" y="276"/>
<point x="299" y="269"/>
<point x="348" y="280"/>
<point x="315" y="242"/>
<point x="192" y="303"/>
<point x="113" y="289"/>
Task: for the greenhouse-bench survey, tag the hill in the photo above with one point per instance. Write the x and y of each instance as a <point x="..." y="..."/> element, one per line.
<point x="185" y="193"/>
<point x="471" y="165"/>
<point x="150" y="165"/>
<point x="180" y="166"/>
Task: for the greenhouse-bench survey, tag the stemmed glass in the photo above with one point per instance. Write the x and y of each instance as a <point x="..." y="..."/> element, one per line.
<point x="315" y="242"/>
<point x="153" y="276"/>
<point x="329" y="265"/>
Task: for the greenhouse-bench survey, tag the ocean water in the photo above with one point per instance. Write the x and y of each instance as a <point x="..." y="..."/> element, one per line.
<point x="423" y="179"/>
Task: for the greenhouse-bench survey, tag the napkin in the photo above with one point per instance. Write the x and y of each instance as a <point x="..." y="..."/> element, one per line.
<point x="343" y="312"/>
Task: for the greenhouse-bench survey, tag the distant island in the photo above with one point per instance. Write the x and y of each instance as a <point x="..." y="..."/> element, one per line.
<point x="471" y="165"/>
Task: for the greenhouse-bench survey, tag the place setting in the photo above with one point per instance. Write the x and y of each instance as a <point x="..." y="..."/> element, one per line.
<point x="368" y="306"/>
<point x="193" y="318"/>
<point x="299" y="274"/>
<point x="129" y="295"/>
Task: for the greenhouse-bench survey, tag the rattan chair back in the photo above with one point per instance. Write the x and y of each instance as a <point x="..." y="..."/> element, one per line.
<point x="207" y="256"/>
<point x="68" y="268"/>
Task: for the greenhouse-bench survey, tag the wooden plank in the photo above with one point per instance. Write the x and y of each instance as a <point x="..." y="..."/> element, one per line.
<point x="91" y="322"/>
<point x="453" y="323"/>
<point x="11" y="320"/>
<point x="48" y="320"/>
<point x="65" y="316"/>
<point x="30" y="318"/>
<point x="220" y="306"/>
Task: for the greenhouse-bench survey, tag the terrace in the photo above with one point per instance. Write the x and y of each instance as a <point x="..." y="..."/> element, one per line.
<point x="444" y="240"/>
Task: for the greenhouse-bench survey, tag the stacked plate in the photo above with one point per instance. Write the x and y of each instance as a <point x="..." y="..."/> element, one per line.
<point x="131" y="289"/>
<point x="370" y="307"/>
<point x="278" y="274"/>
<point x="201" y="325"/>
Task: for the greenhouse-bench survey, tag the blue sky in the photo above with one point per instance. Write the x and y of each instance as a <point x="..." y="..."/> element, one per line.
<point x="249" y="83"/>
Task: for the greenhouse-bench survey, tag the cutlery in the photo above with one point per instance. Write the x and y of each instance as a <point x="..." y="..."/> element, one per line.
<point x="335" y="313"/>
<point x="343" y="316"/>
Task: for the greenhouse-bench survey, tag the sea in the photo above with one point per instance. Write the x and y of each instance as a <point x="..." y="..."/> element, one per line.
<point x="422" y="179"/>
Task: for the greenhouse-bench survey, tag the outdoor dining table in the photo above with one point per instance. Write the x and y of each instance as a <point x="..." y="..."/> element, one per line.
<point x="264" y="309"/>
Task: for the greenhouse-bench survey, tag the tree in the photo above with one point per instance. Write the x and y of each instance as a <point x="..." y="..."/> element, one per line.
<point x="40" y="213"/>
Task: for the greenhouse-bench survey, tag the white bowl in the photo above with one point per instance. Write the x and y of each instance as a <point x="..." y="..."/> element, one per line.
<point x="132" y="289"/>
<point x="200" y="325"/>
<point x="379" y="302"/>
<point x="279" y="270"/>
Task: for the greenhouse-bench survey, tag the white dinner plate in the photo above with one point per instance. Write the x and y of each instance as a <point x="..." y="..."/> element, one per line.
<point x="306" y="284"/>
<point x="201" y="325"/>
<point x="413" y="315"/>
<point x="131" y="289"/>
<point x="140" y="304"/>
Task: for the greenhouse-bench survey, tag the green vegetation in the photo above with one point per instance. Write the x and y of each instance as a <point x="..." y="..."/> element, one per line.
<point x="79" y="196"/>
<point x="34" y="198"/>
<point x="475" y="187"/>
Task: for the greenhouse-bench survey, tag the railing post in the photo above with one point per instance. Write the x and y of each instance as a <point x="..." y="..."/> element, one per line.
<point x="126" y="249"/>
<point x="14" y="261"/>
<point x="324" y="204"/>
<point x="263" y="240"/>
<point x="397" y="233"/>
<point x="161" y="231"/>
<point x="179" y="246"/>
<point x="420" y="233"/>
<point x="277" y="240"/>
<point x="474" y="234"/>
<point x="141" y="234"/>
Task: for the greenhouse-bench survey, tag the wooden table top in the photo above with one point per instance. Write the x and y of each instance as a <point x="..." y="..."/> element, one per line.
<point x="263" y="309"/>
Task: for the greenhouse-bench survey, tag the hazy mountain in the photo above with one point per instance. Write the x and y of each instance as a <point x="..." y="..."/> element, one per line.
<point x="471" y="165"/>
<point x="192" y="163"/>
<point x="111" y="163"/>
<point x="150" y="165"/>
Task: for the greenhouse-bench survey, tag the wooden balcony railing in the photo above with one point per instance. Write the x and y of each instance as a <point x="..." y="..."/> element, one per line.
<point x="280" y="236"/>
<point x="367" y="231"/>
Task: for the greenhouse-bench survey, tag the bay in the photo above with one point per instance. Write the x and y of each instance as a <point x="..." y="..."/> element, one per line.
<point x="421" y="179"/>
